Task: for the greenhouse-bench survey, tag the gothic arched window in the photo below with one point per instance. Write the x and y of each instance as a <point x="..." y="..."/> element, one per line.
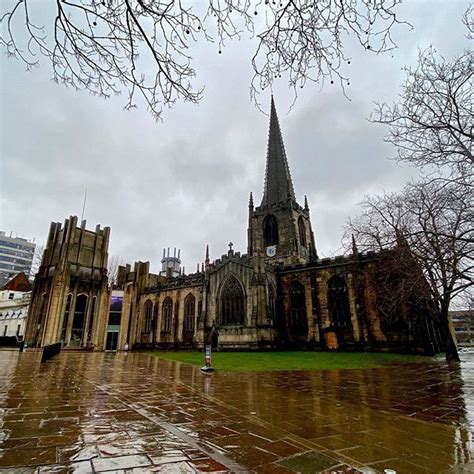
<point x="148" y="316"/>
<point x="298" y="320"/>
<point x="338" y="302"/>
<point x="232" y="305"/>
<point x="189" y="313"/>
<point x="167" y="314"/>
<point x="302" y="231"/>
<point x="270" y="230"/>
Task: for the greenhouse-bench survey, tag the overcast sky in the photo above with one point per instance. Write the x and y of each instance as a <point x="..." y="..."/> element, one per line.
<point x="186" y="182"/>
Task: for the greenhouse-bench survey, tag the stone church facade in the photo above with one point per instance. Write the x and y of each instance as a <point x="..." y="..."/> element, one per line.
<point x="279" y="294"/>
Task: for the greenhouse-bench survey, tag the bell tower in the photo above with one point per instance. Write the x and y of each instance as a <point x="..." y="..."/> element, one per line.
<point x="279" y="229"/>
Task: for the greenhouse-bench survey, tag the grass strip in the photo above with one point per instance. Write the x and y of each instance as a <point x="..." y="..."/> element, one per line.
<point x="290" y="360"/>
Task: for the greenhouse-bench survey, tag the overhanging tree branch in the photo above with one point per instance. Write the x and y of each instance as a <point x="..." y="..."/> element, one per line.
<point x="107" y="46"/>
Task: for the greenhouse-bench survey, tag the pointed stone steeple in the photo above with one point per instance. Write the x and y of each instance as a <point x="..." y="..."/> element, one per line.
<point x="278" y="184"/>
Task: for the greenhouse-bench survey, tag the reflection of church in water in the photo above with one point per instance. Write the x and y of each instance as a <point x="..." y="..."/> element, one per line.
<point x="277" y="294"/>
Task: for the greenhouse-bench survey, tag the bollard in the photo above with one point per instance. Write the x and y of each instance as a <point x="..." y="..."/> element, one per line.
<point x="207" y="361"/>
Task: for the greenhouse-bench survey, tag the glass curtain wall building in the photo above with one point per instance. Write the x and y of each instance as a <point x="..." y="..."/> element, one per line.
<point x="16" y="255"/>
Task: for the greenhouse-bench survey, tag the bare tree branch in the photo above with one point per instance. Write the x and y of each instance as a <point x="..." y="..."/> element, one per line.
<point x="37" y="259"/>
<point x="432" y="122"/>
<point x="142" y="46"/>
<point x="113" y="265"/>
<point x="433" y="221"/>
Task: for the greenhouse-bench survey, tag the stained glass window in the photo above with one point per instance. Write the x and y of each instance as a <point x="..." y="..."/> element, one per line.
<point x="338" y="302"/>
<point x="232" y="302"/>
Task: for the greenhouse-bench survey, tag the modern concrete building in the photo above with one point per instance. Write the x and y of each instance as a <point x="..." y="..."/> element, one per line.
<point x="16" y="256"/>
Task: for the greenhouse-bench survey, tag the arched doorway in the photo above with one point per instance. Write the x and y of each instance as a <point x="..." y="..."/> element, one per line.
<point x="297" y="321"/>
<point x="232" y="303"/>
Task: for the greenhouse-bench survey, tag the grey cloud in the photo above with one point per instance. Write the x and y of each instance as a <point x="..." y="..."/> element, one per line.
<point x="186" y="182"/>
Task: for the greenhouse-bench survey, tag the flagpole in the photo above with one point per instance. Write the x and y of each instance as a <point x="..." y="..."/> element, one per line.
<point x="84" y="205"/>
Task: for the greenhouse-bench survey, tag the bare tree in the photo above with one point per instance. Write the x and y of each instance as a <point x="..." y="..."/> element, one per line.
<point x="106" y="46"/>
<point x="37" y="259"/>
<point x="432" y="122"/>
<point x="434" y="221"/>
<point x="113" y="265"/>
<point x="468" y="21"/>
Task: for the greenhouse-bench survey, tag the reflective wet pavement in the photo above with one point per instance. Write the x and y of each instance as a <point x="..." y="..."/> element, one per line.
<point x="95" y="412"/>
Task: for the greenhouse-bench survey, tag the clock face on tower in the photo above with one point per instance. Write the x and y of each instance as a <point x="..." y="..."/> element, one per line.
<point x="271" y="251"/>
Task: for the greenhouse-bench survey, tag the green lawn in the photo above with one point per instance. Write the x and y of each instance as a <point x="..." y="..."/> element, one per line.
<point x="265" y="361"/>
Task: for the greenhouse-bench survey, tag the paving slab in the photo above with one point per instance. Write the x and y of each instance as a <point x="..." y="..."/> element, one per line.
<point x="102" y="412"/>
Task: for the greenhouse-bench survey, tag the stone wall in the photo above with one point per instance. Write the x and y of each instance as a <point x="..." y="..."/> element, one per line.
<point x="74" y="264"/>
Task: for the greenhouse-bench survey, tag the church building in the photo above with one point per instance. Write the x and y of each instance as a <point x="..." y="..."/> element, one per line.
<point x="278" y="294"/>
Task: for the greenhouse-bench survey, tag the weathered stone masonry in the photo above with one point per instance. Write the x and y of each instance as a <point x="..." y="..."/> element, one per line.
<point x="278" y="294"/>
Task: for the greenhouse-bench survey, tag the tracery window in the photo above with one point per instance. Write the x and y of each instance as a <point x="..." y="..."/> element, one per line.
<point x="189" y="313"/>
<point x="167" y="314"/>
<point x="148" y="316"/>
<point x="298" y="319"/>
<point x="302" y="231"/>
<point x="270" y="230"/>
<point x="232" y="306"/>
<point x="338" y="302"/>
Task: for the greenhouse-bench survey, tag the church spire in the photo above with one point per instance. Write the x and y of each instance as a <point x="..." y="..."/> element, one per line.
<point x="278" y="185"/>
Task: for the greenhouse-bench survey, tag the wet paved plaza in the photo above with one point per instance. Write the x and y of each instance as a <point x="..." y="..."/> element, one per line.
<point x="95" y="412"/>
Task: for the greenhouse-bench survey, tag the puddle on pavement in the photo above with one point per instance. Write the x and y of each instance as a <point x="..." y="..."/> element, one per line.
<point x="84" y="411"/>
